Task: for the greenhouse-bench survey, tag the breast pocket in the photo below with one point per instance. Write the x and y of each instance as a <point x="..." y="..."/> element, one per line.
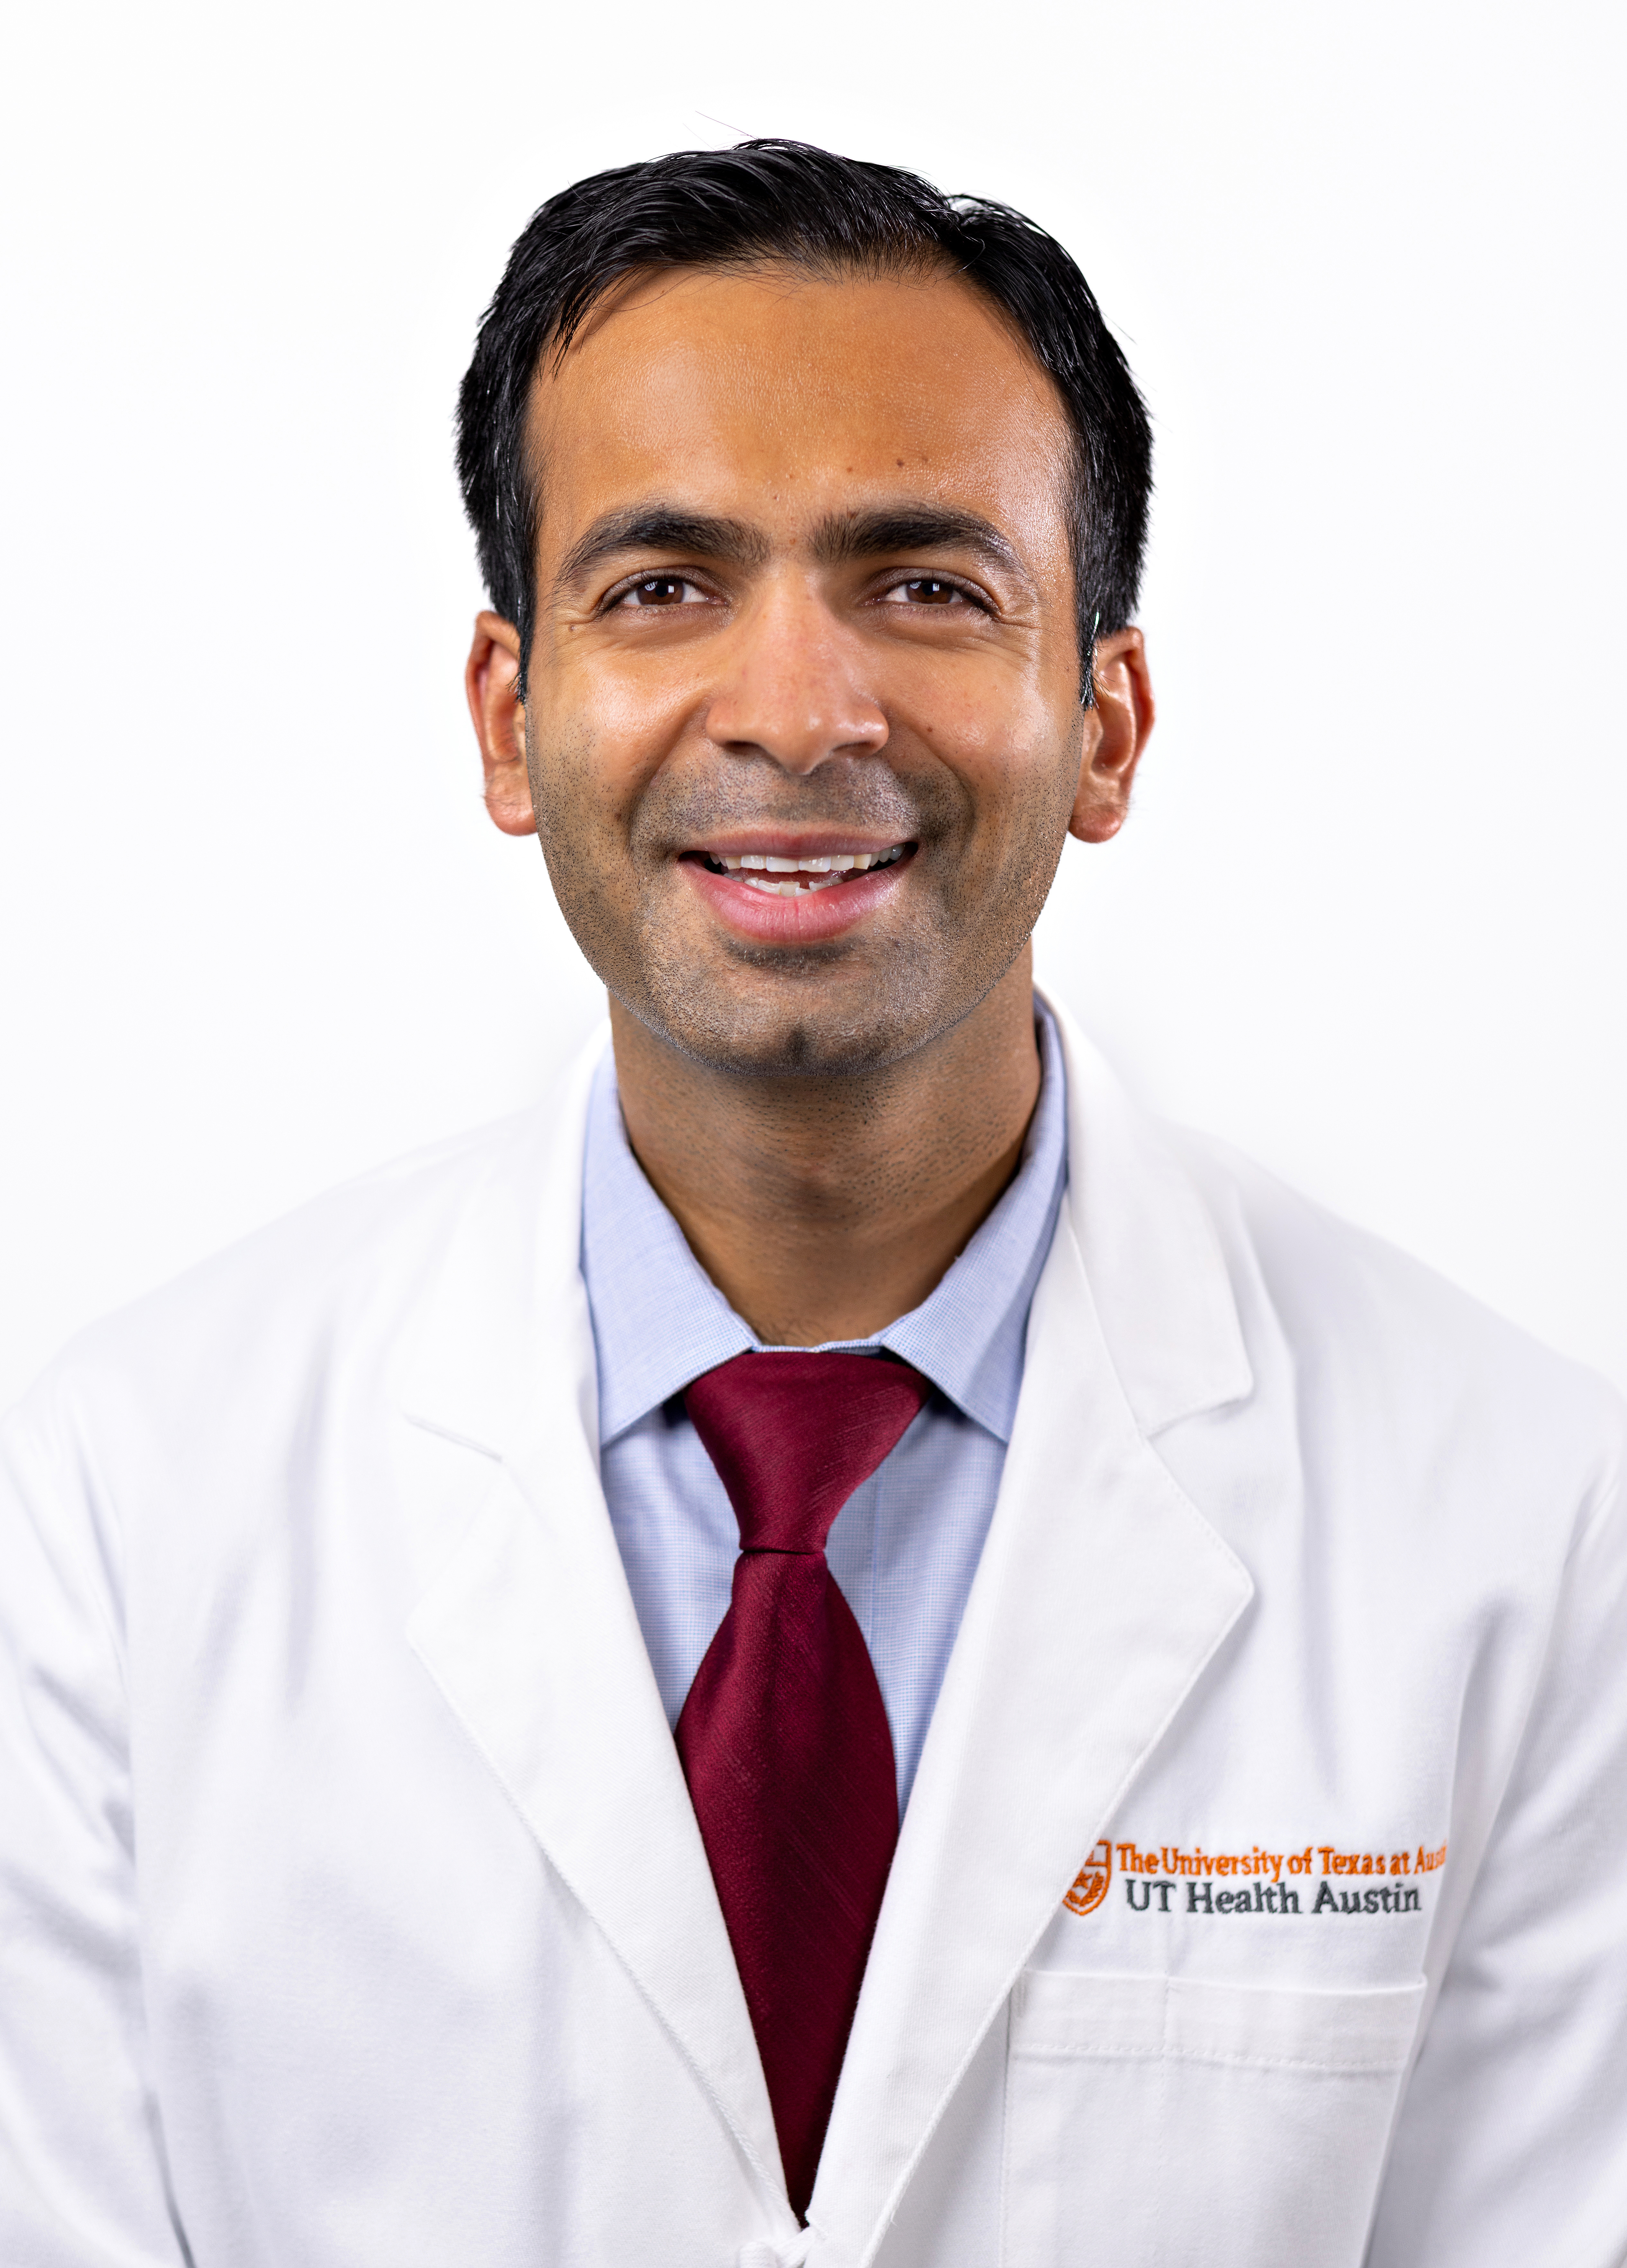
<point x="1156" y="2120"/>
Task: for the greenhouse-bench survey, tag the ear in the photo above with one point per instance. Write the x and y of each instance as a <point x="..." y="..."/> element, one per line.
<point x="491" y="680"/>
<point x="1117" y="726"/>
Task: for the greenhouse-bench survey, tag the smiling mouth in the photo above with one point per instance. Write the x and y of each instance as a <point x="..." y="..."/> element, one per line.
<point x="798" y="878"/>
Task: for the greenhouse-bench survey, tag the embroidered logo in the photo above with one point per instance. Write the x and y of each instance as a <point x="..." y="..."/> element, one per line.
<point x="1090" y="1885"/>
<point x="1255" y="1881"/>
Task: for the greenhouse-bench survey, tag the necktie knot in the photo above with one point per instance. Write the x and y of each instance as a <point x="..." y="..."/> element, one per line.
<point x="793" y="1434"/>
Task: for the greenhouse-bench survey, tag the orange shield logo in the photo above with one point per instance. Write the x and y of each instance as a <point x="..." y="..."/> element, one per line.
<point x="1090" y="1884"/>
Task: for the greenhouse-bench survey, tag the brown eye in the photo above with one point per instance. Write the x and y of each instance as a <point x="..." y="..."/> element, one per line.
<point x="659" y="591"/>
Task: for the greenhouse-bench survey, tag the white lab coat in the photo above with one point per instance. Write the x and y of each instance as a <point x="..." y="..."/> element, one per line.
<point x="353" y="1915"/>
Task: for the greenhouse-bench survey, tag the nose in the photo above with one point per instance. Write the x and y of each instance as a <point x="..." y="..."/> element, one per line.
<point x="793" y="686"/>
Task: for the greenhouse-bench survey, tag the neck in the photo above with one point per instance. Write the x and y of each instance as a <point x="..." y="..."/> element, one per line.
<point x="825" y="1209"/>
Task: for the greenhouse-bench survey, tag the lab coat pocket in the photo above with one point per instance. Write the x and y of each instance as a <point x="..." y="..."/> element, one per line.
<point x="1158" y="2119"/>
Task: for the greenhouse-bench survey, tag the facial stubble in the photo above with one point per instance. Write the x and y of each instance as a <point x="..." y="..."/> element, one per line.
<point x="846" y="1008"/>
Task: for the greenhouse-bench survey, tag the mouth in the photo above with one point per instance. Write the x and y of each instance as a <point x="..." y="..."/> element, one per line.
<point x="775" y="876"/>
<point x="797" y="895"/>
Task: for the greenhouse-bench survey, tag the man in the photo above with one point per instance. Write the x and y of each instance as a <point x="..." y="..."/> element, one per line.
<point x="830" y="1649"/>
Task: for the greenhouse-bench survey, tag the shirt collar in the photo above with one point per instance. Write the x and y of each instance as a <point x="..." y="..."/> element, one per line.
<point x="659" y="1321"/>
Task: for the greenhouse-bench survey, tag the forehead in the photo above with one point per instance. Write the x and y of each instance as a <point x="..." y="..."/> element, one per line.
<point x="782" y="397"/>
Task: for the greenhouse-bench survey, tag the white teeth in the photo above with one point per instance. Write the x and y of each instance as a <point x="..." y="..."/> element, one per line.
<point x="836" y="862"/>
<point x="791" y="889"/>
<point x="822" y="872"/>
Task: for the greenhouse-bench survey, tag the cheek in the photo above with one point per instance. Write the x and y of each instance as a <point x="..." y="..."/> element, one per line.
<point x="1014" y="753"/>
<point x="581" y="793"/>
<point x="604" y="733"/>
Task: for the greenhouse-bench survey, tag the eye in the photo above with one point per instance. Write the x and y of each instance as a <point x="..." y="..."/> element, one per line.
<point x="928" y="590"/>
<point x="659" y="591"/>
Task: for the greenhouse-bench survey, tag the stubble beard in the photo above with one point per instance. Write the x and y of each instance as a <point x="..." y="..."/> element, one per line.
<point x="846" y="1009"/>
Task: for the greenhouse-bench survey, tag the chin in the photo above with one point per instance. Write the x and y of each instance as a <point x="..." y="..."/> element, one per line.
<point x="733" y="1028"/>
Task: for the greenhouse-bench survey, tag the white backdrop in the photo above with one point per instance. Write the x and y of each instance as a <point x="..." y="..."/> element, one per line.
<point x="1369" y="920"/>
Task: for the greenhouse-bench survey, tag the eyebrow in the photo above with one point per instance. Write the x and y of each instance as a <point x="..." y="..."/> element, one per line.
<point x="852" y="536"/>
<point x="661" y="528"/>
<point x="837" y="540"/>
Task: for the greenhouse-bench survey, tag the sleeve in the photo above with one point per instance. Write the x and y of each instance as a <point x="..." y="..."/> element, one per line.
<point x="1510" y="2143"/>
<point x="82" y="2175"/>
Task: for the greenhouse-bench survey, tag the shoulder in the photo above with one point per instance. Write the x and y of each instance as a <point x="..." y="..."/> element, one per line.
<point x="1377" y="1340"/>
<point x="330" y="1287"/>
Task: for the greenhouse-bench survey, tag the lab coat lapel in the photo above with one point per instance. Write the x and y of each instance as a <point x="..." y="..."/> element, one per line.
<point x="1102" y="1596"/>
<point x="530" y="1633"/>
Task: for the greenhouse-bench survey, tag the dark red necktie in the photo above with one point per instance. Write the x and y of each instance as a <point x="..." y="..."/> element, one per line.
<point x="784" y="1737"/>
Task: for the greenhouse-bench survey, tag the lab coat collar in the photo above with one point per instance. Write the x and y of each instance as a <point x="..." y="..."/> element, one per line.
<point x="1150" y="1250"/>
<point x="529" y="1629"/>
<point x="1102" y="1596"/>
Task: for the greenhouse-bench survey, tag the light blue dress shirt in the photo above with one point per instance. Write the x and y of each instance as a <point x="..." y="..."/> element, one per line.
<point x="905" y="1546"/>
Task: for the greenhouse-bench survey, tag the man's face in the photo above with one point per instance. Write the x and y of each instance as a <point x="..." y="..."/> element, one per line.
<point x="805" y="593"/>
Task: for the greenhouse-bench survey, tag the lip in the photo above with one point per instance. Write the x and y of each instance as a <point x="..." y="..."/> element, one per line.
<point x="811" y="918"/>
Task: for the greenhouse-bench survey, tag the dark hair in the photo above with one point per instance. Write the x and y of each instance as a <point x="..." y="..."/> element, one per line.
<point x="785" y="201"/>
